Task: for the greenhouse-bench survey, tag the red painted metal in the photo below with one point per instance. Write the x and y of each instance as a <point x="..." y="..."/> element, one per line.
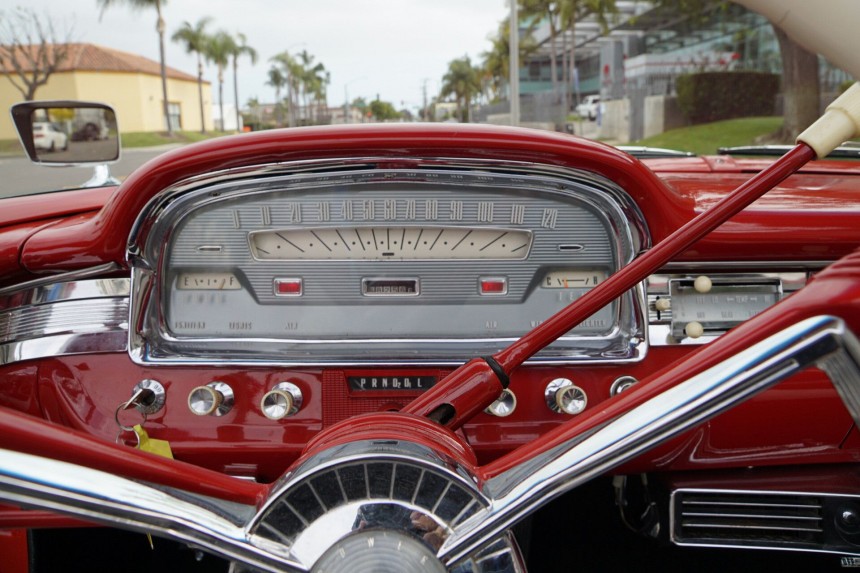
<point x="15" y="518"/>
<point x="834" y="291"/>
<point x="14" y="552"/>
<point x="394" y="426"/>
<point x="474" y="387"/>
<point x="37" y="437"/>
<point x="557" y="325"/>
<point x="103" y="238"/>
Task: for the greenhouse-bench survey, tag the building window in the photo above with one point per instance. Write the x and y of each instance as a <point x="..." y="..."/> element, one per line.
<point x="174" y="115"/>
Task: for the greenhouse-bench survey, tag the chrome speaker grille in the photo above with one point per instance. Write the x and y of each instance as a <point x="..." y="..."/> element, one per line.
<point x="805" y="521"/>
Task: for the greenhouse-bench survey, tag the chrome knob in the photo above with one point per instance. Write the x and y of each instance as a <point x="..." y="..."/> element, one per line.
<point x="284" y="399"/>
<point x="504" y="405"/>
<point x="621" y="384"/>
<point x="563" y="397"/>
<point x="214" y="399"/>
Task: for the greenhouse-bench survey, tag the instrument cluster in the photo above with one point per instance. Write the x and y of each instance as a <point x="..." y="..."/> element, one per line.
<point x="383" y="266"/>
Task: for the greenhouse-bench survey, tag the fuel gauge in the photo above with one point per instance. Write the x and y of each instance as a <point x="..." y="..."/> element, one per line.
<point x="573" y="278"/>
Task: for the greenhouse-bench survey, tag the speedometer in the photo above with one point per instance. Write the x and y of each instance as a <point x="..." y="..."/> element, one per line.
<point x="397" y="266"/>
<point x="380" y="243"/>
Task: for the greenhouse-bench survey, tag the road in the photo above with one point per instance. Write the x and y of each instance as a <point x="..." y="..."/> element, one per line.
<point x="20" y="177"/>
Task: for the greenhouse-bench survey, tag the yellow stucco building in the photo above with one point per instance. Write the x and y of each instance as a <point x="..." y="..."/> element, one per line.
<point x="129" y="83"/>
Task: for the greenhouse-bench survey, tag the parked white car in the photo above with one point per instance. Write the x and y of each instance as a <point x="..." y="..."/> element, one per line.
<point x="46" y="136"/>
<point x="588" y="107"/>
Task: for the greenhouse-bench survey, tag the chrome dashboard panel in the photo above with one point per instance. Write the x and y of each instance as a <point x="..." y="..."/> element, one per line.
<point x="430" y="264"/>
<point x="64" y="318"/>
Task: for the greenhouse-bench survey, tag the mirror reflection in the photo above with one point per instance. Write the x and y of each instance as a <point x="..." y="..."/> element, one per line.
<point x="75" y="135"/>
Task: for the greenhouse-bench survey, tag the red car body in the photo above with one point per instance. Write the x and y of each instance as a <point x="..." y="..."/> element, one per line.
<point x="795" y="437"/>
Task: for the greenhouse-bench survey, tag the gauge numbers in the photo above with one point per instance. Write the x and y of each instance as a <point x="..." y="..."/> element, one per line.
<point x="379" y="243"/>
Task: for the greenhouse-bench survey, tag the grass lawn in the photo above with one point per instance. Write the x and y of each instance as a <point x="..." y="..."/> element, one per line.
<point x="149" y="139"/>
<point x="706" y="138"/>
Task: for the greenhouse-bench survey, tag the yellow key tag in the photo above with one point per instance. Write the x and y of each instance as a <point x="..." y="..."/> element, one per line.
<point x="151" y="445"/>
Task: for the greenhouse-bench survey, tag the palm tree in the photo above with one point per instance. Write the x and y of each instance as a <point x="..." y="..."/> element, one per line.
<point x="572" y="11"/>
<point x="537" y="11"/>
<point x="218" y="51"/>
<point x="462" y="81"/>
<point x="242" y="48"/>
<point x="293" y="72"/>
<point x="159" y="27"/>
<point x="496" y="60"/>
<point x="195" y="39"/>
<point x="277" y="80"/>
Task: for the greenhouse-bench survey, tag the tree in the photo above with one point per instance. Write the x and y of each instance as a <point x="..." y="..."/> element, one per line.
<point x="497" y="60"/>
<point x="159" y="27"/>
<point x="801" y="85"/>
<point x="537" y="11"/>
<point x="383" y="110"/>
<point x="218" y="51"/>
<point x="571" y="12"/>
<point x="241" y="49"/>
<point x="462" y="81"/>
<point x="293" y="71"/>
<point x="30" y="50"/>
<point x="277" y="80"/>
<point x="195" y="40"/>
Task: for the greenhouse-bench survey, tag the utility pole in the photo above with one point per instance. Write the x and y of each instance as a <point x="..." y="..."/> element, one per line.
<point x="514" y="58"/>
<point x="424" y="111"/>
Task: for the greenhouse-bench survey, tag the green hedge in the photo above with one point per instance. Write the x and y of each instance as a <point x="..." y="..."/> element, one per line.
<point x="712" y="96"/>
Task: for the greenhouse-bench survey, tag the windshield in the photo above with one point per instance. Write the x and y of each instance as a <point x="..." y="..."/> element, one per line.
<point x="689" y="76"/>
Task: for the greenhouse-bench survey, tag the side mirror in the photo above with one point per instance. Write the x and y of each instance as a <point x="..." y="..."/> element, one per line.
<point x="67" y="132"/>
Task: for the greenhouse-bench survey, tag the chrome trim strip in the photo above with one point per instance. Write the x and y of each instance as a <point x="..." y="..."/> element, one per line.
<point x="61" y="277"/>
<point x="523" y="489"/>
<point x="64" y="318"/>
<point x="213" y="524"/>
<point x="842" y="550"/>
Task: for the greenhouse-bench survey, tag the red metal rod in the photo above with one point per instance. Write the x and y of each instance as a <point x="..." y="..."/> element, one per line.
<point x="24" y="433"/>
<point x="457" y="389"/>
<point x="638" y="270"/>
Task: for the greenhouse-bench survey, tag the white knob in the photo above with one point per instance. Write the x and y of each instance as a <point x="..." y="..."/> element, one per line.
<point x="694" y="329"/>
<point x="702" y="284"/>
<point x="662" y="304"/>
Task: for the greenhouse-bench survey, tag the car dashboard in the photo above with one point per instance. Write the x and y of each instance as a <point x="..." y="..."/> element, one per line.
<point x="263" y="288"/>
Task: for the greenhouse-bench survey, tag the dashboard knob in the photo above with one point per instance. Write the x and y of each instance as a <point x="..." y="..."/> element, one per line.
<point x="214" y="399"/>
<point x="504" y="405"/>
<point x="563" y="397"/>
<point x="702" y="284"/>
<point x="283" y="400"/>
<point x="694" y="329"/>
<point x="662" y="304"/>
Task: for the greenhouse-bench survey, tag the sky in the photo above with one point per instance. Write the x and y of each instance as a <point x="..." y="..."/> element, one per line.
<point x="389" y="48"/>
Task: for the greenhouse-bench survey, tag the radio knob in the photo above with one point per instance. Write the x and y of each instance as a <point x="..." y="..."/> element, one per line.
<point x="703" y="284"/>
<point x="694" y="329"/>
<point x="214" y="399"/>
<point x="284" y="399"/>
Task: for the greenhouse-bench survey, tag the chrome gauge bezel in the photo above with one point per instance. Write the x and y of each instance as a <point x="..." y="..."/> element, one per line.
<point x="151" y="341"/>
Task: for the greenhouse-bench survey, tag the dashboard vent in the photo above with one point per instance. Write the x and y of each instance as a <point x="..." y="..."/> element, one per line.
<point x="748" y="519"/>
